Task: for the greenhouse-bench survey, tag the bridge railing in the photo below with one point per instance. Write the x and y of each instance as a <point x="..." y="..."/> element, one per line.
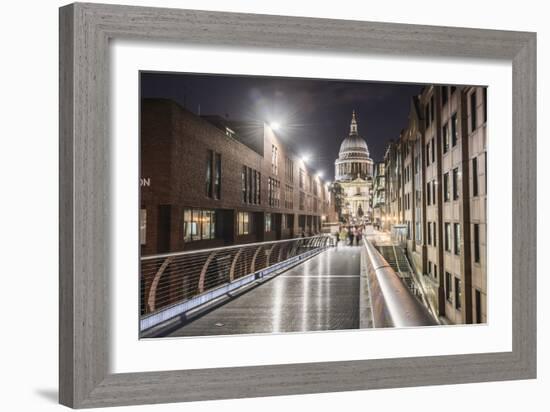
<point x="392" y="302"/>
<point x="173" y="283"/>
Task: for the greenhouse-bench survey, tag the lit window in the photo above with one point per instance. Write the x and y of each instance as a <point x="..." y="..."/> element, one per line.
<point x="243" y="223"/>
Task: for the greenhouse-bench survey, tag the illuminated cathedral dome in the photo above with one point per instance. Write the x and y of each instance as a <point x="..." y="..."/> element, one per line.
<point x="353" y="159"/>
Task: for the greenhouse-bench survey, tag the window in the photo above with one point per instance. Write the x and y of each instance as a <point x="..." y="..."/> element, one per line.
<point x="454" y="130"/>
<point x="473" y="111"/>
<point x="243" y="223"/>
<point x="478" y="306"/>
<point x="429" y="240"/>
<point x="274" y="160"/>
<point x="447" y="237"/>
<point x="213" y="174"/>
<point x="457" y="238"/>
<point x="142" y="226"/>
<point x="289" y="170"/>
<point x="475" y="182"/>
<point x="218" y="176"/>
<point x="433" y="149"/>
<point x="428" y="153"/>
<point x="434" y="201"/>
<point x="267" y="222"/>
<point x="435" y="233"/>
<point x="250" y="182"/>
<point x="301" y="179"/>
<point x="435" y="271"/>
<point x="445" y="138"/>
<point x="244" y="184"/>
<point x="444" y="95"/>
<point x="453" y="89"/>
<point x="428" y="193"/>
<point x="302" y="200"/>
<point x="448" y="286"/>
<point x="429" y="267"/>
<point x="458" y="294"/>
<point x="432" y="108"/>
<point x="274" y="192"/>
<point x="199" y="224"/>
<point x="209" y="156"/>
<point x="446" y="189"/>
<point x="476" y="243"/>
<point x="456" y="189"/>
<point x="289" y="197"/>
<point x="485" y="104"/>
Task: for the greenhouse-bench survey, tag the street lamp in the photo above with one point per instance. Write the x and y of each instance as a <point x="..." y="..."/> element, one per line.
<point x="275" y="126"/>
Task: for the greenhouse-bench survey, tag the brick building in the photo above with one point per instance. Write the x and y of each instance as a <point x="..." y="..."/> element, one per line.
<point x="208" y="182"/>
<point x="436" y="188"/>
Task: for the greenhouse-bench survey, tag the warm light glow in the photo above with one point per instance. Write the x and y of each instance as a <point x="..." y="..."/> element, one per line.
<point x="275" y="126"/>
<point x="305" y="158"/>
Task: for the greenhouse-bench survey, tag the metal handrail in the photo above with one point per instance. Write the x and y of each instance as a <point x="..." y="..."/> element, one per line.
<point x="185" y="252"/>
<point x="172" y="278"/>
<point x="392" y="303"/>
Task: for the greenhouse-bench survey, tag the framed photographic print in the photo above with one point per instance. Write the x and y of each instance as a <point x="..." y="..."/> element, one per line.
<point x="267" y="205"/>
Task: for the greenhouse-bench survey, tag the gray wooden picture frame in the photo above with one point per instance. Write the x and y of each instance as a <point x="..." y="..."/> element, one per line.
<point x="85" y="31"/>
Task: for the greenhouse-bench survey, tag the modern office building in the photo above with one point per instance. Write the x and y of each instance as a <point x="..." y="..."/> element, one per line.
<point x="208" y="181"/>
<point x="436" y="189"/>
<point x="353" y="172"/>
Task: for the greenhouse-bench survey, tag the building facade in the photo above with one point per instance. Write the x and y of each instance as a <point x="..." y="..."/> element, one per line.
<point x="208" y="182"/>
<point x="353" y="172"/>
<point x="436" y="188"/>
<point x="379" y="195"/>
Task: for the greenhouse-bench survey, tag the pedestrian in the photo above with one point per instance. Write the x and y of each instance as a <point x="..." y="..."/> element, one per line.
<point x="337" y="236"/>
<point x="359" y="236"/>
<point x="343" y="235"/>
<point x="350" y="236"/>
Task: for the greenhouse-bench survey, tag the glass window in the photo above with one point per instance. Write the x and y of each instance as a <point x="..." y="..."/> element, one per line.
<point x="475" y="182"/>
<point x="199" y="224"/>
<point x="448" y="286"/>
<point x="243" y="223"/>
<point x="473" y="111"/>
<point x="445" y="137"/>
<point x="447" y="237"/>
<point x="142" y="226"/>
<point x="476" y="243"/>
<point x="454" y="130"/>
<point x="209" y="173"/>
<point x="446" y="189"/>
<point x="457" y="238"/>
<point x="268" y="222"/>
<point x="456" y="188"/>
<point x="458" y="294"/>
<point x="218" y="176"/>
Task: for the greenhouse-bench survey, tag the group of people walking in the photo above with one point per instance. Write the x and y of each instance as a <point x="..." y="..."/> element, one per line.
<point x="350" y="235"/>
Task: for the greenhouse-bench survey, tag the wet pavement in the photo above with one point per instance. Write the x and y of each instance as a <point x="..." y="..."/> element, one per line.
<point x="319" y="294"/>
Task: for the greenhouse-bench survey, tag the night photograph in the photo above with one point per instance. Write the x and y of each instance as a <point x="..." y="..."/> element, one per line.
<point x="278" y="205"/>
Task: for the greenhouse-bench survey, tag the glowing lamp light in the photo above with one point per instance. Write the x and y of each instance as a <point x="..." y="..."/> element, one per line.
<point x="275" y="126"/>
<point x="305" y="158"/>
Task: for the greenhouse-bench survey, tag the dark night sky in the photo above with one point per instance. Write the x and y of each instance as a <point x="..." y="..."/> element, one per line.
<point x="314" y="114"/>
